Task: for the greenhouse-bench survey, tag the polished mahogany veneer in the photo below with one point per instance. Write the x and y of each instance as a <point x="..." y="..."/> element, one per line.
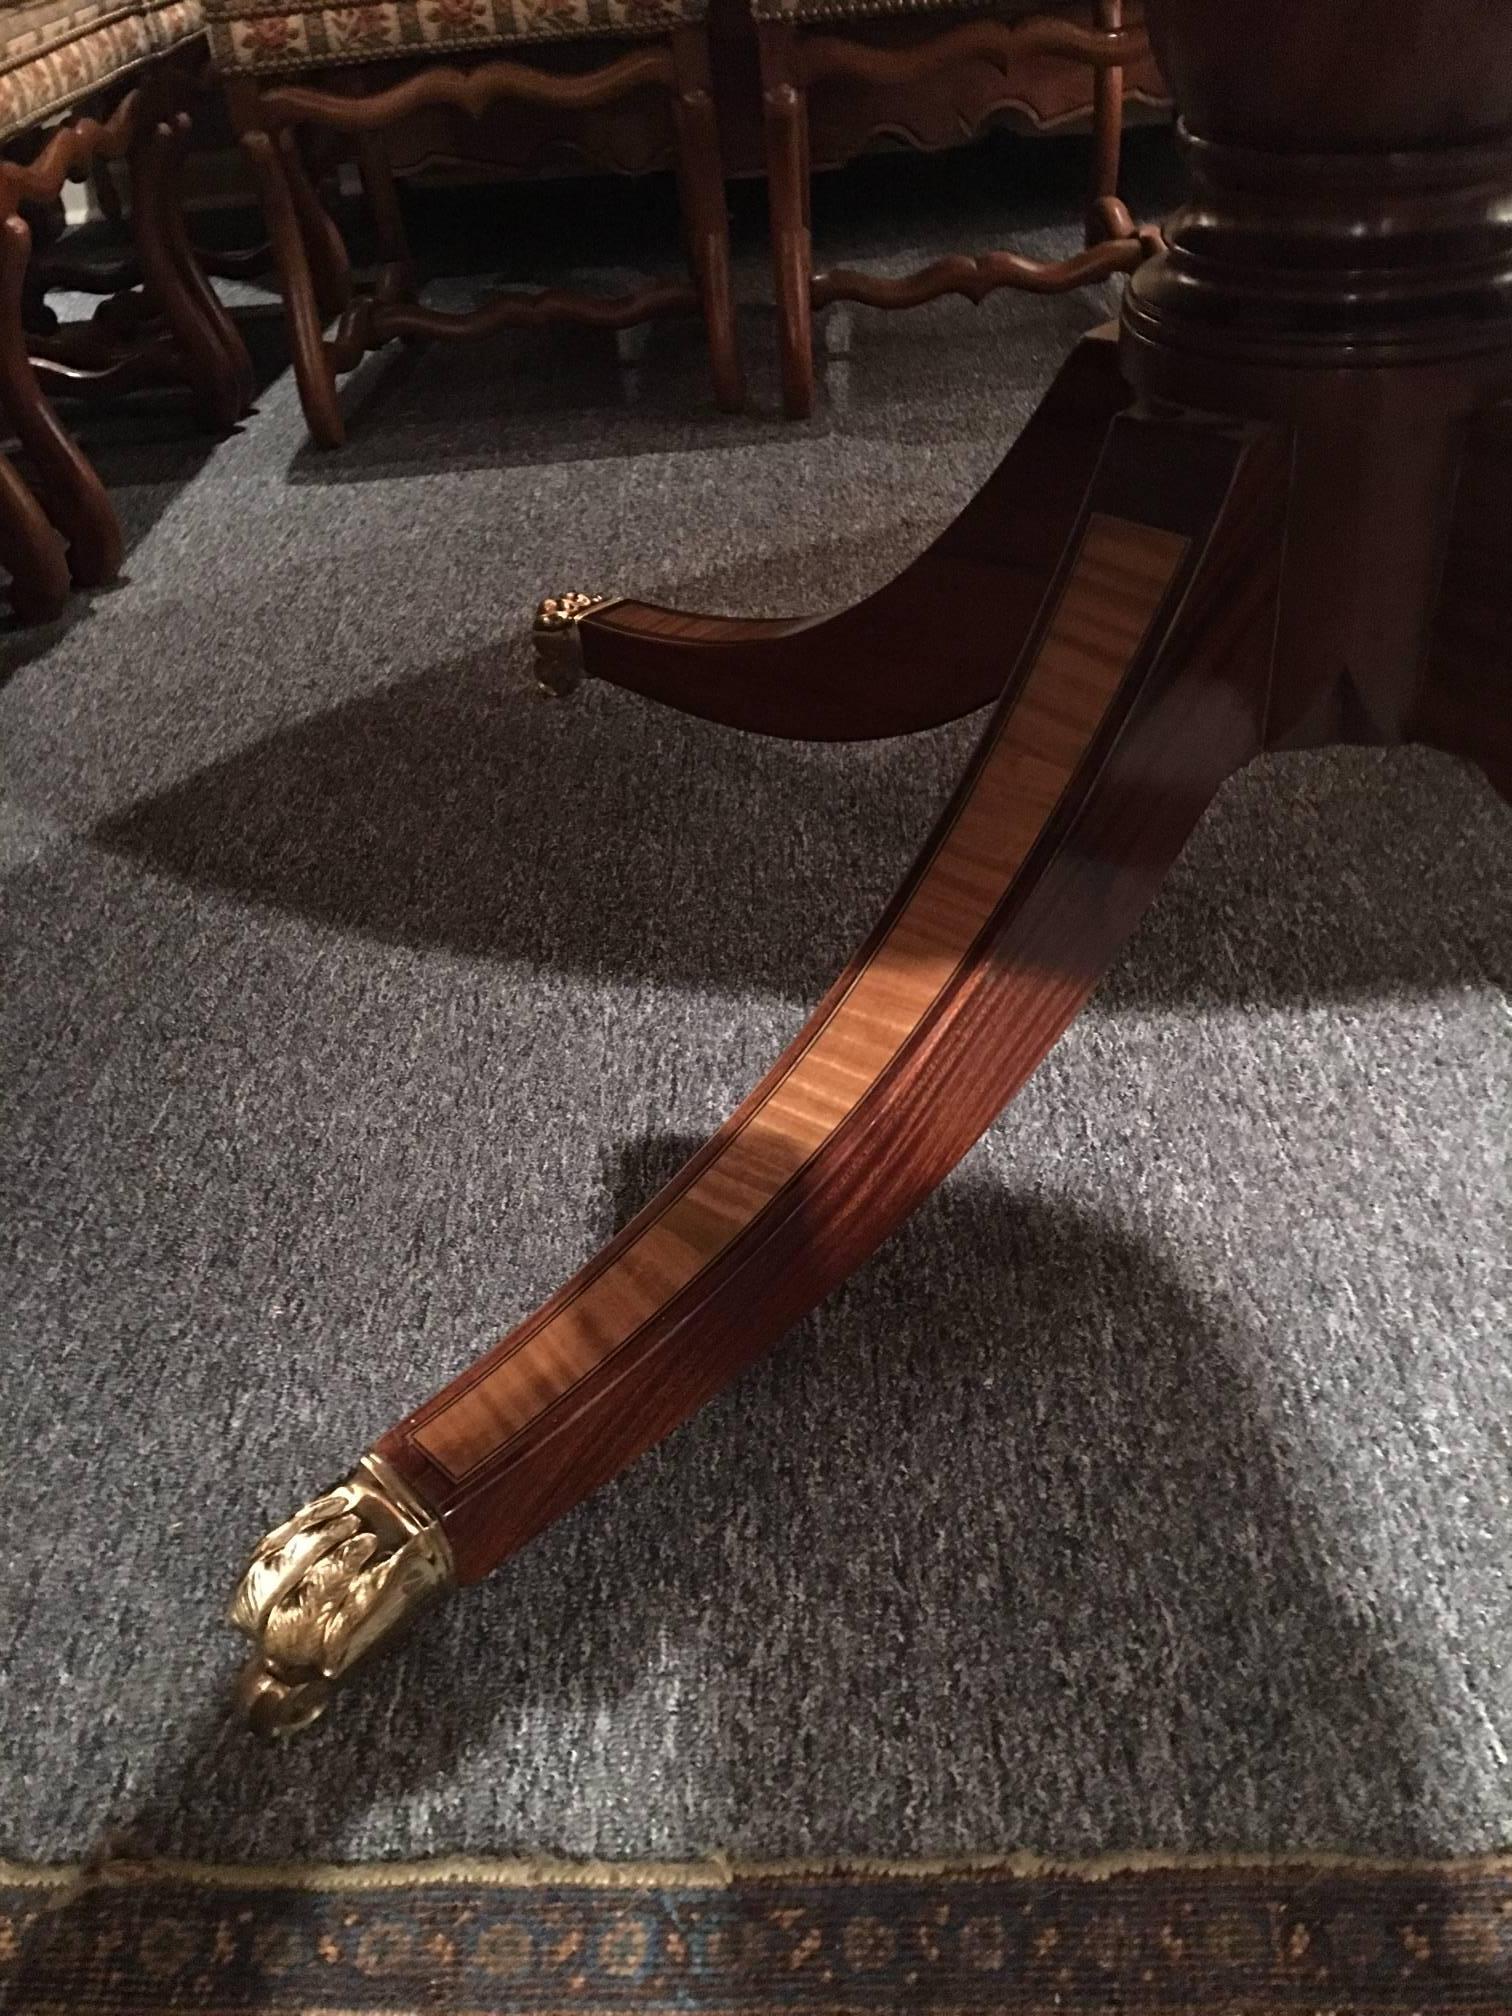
<point x="1274" y="515"/>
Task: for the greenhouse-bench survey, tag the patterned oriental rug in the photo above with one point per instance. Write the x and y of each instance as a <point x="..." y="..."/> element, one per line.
<point x="1238" y="1938"/>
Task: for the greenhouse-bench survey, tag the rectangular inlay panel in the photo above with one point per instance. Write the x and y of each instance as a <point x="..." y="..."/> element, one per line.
<point x="1116" y="584"/>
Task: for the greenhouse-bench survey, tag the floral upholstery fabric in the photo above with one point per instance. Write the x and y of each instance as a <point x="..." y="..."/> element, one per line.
<point x="252" y="35"/>
<point x="55" y="52"/>
<point x="171" y="23"/>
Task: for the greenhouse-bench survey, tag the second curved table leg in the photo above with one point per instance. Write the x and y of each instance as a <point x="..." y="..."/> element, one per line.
<point x="1142" y="689"/>
<point x="933" y="644"/>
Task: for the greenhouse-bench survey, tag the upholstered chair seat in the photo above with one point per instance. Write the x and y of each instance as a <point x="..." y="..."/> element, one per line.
<point x="55" y="52"/>
<point x="253" y="37"/>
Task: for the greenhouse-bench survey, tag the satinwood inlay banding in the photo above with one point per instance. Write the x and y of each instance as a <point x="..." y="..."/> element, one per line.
<point x="1110" y="596"/>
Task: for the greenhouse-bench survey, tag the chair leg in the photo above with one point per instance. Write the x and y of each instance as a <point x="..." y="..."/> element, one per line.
<point x="785" y="110"/>
<point x="700" y="171"/>
<point x="214" y="357"/>
<point x="68" y="488"/>
<point x="380" y="191"/>
<point x="330" y="269"/>
<point x="1106" y="215"/>
<point x="312" y="367"/>
<point x="30" y="551"/>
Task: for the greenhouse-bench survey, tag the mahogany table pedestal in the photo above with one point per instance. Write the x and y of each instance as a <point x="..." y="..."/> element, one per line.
<point x="1272" y="514"/>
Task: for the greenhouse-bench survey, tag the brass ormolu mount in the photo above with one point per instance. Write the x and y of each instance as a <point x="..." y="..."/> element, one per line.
<point x="329" y="1585"/>
<point x="558" y="643"/>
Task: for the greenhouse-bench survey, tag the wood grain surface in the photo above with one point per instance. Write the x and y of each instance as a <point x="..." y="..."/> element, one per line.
<point x="1116" y="584"/>
<point x="934" y="643"/>
<point x="991" y="946"/>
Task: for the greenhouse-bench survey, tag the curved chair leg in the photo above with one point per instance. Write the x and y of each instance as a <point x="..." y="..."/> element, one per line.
<point x="195" y="277"/>
<point x="31" y="552"/>
<point x="785" y="113"/>
<point x="1142" y="690"/>
<point x="214" y="357"/>
<point x="312" y="367"/>
<point x="933" y="644"/>
<point x="325" y="248"/>
<point x="68" y="489"/>
<point x="700" y="174"/>
<point x="380" y="190"/>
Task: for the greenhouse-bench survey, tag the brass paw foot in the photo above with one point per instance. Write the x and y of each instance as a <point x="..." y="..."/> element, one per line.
<point x="328" y="1586"/>
<point x="558" y="643"/>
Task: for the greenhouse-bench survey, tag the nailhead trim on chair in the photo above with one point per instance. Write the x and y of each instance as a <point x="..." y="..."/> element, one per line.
<point x="860" y="10"/>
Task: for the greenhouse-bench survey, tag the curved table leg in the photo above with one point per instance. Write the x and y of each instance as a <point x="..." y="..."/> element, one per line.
<point x="1141" y="691"/>
<point x="935" y="643"/>
<point x="31" y="552"/>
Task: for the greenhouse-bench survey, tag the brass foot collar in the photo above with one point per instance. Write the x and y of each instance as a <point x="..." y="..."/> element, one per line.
<point x="558" y="640"/>
<point x="327" y="1587"/>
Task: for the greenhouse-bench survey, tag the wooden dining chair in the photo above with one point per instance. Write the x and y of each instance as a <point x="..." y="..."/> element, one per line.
<point x="1058" y="66"/>
<point x="358" y="70"/>
<point x="81" y="82"/>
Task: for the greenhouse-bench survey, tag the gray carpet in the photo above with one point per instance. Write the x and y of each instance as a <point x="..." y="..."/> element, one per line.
<point x="1151" y="1489"/>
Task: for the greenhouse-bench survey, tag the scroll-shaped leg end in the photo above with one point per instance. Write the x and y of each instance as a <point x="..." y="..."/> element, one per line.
<point x="327" y="1587"/>
<point x="558" y="642"/>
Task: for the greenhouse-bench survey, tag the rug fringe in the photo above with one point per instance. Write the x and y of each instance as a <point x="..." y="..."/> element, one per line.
<point x="708" y="1872"/>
